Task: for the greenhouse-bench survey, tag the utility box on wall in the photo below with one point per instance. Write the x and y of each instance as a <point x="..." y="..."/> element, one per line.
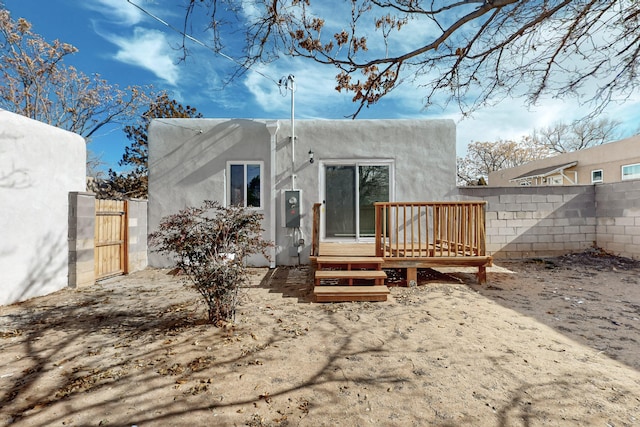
<point x="292" y="202"/>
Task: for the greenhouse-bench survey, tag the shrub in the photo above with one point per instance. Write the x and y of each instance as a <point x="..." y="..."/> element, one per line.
<point x="210" y="244"/>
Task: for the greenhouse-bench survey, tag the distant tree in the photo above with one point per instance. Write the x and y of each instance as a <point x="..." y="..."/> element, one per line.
<point x="560" y="137"/>
<point x="36" y="83"/>
<point x="563" y="137"/>
<point x="135" y="183"/>
<point x="473" y="52"/>
<point x="485" y="157"/>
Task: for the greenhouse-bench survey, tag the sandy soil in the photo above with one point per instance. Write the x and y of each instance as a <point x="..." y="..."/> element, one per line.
<point x="546" y="342"/>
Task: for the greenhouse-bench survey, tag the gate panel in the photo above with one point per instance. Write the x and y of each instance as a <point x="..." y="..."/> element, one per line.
<point x="110" y="238"/>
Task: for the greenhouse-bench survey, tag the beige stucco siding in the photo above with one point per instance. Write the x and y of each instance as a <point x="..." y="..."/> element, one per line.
<point x="608" y="157"/>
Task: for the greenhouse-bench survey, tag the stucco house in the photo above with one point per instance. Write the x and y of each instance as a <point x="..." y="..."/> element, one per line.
<point x="39" y="166"/>
<point x="344" y="165"/>
<point x="613" y="162"/>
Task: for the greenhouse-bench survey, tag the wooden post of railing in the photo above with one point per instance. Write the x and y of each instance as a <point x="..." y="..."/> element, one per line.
<point x="388" y="231"/>
<point x="482" y="232"/>
<point x="379" y="236"/>
<point x="315" y="230"/>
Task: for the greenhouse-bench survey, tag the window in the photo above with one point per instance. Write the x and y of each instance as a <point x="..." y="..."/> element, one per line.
<point x="596" y="176"/>
<point x="245" y="184"/>
<point x="631" y="171"/>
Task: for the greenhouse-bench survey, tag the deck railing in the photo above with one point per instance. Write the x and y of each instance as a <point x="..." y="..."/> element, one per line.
<point x="422" y="229"/>
<point x="430" y="229"/>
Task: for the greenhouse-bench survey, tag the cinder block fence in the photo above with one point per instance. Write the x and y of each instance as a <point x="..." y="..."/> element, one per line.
<point x="618" y="218"/>
<point x="525" y="222"/>
<point x="522" y="222"/>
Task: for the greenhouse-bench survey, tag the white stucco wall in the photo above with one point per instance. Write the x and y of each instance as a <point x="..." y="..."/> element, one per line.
<point x="39" y="166"/>
<point x="188" y="158"/>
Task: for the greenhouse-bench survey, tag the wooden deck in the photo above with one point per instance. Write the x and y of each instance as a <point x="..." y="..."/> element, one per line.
<point x="409" y="235"/>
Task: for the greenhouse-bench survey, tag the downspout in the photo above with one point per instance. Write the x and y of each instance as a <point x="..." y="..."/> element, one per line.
<point x="272" y="127"/>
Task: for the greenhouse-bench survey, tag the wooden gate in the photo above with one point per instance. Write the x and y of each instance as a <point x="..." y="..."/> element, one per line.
<point x="110" y="238"/>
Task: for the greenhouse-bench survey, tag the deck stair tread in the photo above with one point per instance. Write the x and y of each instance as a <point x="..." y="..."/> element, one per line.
<point x="351" y="289"/>
<point x="353" y="249"/>
<point x="350" y="293"/>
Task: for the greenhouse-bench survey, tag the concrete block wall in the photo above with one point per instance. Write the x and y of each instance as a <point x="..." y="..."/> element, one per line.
<point x="524" y="222"/>
<point x="82" y="220"/>
<point x="618" y="218"/>
<point x="137" y="231"/>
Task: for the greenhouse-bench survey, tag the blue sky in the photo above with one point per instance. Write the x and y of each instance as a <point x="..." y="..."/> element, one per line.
<point x="127" y="47"/>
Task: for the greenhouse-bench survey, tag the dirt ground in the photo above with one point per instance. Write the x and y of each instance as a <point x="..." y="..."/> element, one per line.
<point x="545" y="342"/>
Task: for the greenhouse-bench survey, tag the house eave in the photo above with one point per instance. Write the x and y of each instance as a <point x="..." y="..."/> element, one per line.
<point x="544" y="172"/>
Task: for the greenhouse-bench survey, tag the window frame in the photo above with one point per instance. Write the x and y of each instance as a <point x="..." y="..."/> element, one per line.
<point x="390" y="163"/>
<point x="597" y="181"/>
<point x="245" y="164"/>
<point x="636" y="176"/>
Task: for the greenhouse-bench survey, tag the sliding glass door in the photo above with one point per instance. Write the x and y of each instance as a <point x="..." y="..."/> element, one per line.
<point x="350" y="189"/>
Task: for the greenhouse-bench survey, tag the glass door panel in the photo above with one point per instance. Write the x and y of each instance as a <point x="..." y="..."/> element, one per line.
<point x="373" y="186"/>
<point x="350" y="190"/>
<point x="340" y="201"/>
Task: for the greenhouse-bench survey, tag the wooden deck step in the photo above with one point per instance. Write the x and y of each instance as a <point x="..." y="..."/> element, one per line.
<point x="348" y="249"/>
<point x="350" y="293"/>
<point x="377" y="275"/>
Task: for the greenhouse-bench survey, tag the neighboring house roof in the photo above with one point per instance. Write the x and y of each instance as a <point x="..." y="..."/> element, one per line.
<point x="544" y="172"/>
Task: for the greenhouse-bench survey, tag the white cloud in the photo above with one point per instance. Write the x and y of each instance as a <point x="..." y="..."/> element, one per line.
<point x="250" y="10"/>
<point x="121" y="12"/>
<point x="148" y="49"/>
<point x="315" y="95"/>
<point x="511" y="120"/>
<point x="269" y="97"/>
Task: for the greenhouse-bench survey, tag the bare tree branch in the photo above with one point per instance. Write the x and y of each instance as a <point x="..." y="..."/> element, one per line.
<point x="37" y="84"/>
<point x="473" y="52"/>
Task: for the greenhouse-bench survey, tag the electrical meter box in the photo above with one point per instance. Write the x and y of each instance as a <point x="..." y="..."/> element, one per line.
<point x="292" y="208"/>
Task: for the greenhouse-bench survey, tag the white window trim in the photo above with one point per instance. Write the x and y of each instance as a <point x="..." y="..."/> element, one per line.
<point x="622" y="172"/>
<point x="597" y="181"/>
<point x="228" y="183"/>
